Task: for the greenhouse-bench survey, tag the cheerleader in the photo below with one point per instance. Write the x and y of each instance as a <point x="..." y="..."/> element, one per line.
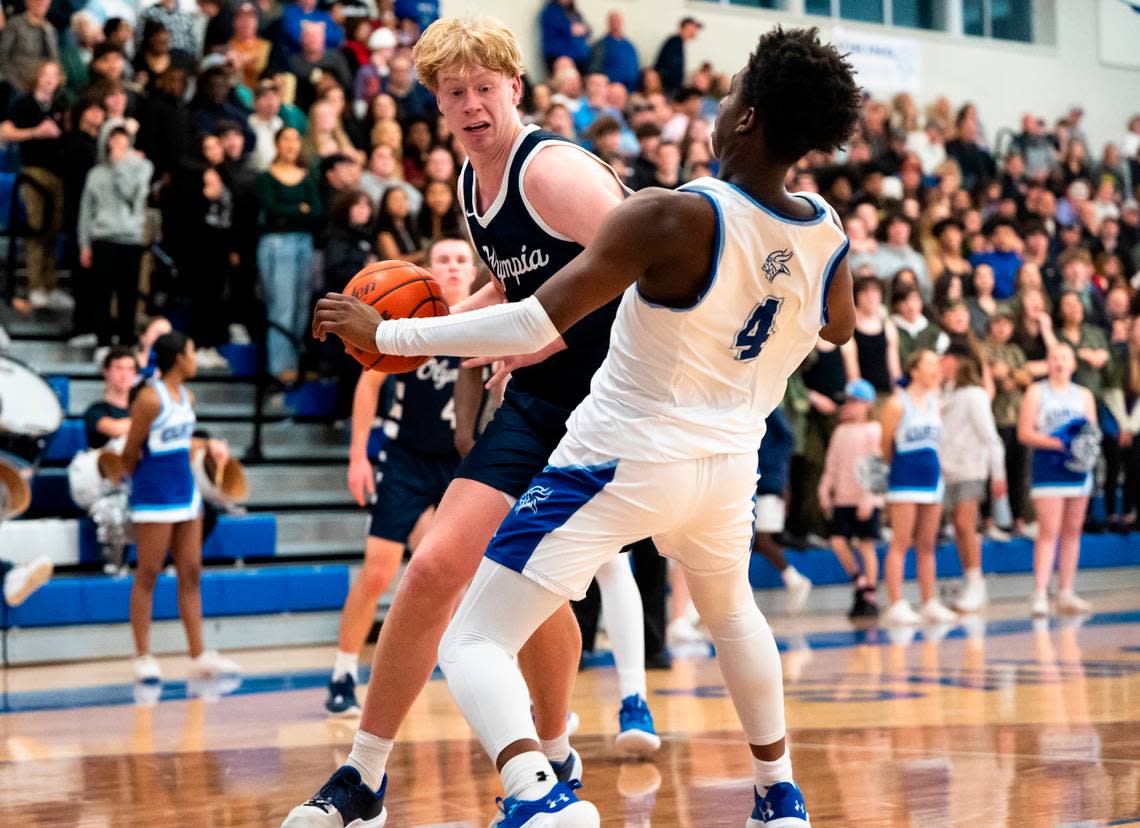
<point x="166" y="507"/>
<point x="1055" y="421"/>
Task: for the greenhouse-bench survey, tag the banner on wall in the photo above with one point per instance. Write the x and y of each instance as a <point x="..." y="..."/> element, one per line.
<point x="883" y="64"/>
<point x="1120" y="33"/>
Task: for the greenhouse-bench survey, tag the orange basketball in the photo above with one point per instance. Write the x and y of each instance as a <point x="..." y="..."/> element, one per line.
<point x="399" y="291"/>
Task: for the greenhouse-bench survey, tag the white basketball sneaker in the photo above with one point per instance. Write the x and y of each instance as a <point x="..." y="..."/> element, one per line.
<point x="1069" y="603"/>
<point x="798" y="587"/>
<point x="900" y="614"/>
<point x="21" y="581"/>
<point x="213" y="663"/>
<point x="1039" y="604"/>
<point x="935" y="612"/>
<point x="147" y="669"/>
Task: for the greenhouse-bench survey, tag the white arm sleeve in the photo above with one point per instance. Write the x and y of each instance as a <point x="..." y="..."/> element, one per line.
<point x="501" y="330"/>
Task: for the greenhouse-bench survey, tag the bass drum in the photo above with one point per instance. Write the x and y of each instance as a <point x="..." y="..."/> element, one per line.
<point x="29" y="413"/>
<point x="95" y="473"/>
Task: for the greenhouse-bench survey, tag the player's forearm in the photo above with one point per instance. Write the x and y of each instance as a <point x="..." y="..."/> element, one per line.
<point x="502" y="330"/>
<point x="466" y="398"/>
<point x="364" y="401"/>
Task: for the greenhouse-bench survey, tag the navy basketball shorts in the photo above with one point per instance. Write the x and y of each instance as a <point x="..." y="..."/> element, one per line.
<point x="516" y="444"/>
<point x="407" y="483"/>
<point x="845" y="524"/>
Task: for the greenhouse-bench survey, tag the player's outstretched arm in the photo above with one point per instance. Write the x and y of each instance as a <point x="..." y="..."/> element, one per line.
<point x="641" y="237"/>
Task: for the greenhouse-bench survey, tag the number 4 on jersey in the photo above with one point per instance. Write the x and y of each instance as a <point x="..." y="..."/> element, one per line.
<point x="761" y="322"/>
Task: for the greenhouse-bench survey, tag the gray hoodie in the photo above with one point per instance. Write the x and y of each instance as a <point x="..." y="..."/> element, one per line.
<point x="113" y="206"/>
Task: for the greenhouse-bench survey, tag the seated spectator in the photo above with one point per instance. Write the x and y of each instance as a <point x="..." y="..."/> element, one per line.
<point x="296" y="14"/>
<point x="329" y="91"/>
<point x="564" y="34"/>
<point x="1114" y="169"/>
<point x="948" y="257"/>
<point x="896" y="252"/>
<point x="560" y="121"/>
<point x="35" y="122"/>
<point x="915" y="330"/>
<point x="595" y="105"/>
<point x="250" y="52"/>
<point x="439" y="216"/>
<point x="26" y="42"/>
<point x="440" y="166"/>
<point x="182" y="25"/>
<point x="1037" y="146"/>
<point x="112" y="222"/>
<point x="686" y="109"/>
<point x="219" y="25"/>
<point x="949" y="288"/>
<point x="974" y="161"/>
<point x="119" y="33"/>
<point x="110" y="417"/>
<point x="666" y="171"/>
<point x="312" y="61"/>
<point x="614" y="56"/>
<point x="1077" y="273"/>
<point x="156" y="55"/>
<point x="603" y="138"/>
<point x="397" y="231"/>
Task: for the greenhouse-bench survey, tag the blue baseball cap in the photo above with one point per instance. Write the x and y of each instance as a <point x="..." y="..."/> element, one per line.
<point x="861" y="390"/>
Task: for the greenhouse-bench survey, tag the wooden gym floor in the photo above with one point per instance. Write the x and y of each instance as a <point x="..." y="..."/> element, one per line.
<point x="1004" y="723"/>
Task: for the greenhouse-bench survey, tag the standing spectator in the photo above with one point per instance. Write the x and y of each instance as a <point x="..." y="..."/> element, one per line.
<point x="565" y="33"/>
<point x="970" y="452"/>
<point x="981" y="301"/>
<point x="79" y="156"/>
<point x="666" y="171"/>
<point x="211" y="105"/>
<point x="1004" y="258"/>
<point x="251" y="53"/>
<point x="265" y="122"/>
<point x="110" y="417"/>
<point x="614" y="56"/>
<point x="1011" y="378"/>
<point x="915" y="330"/>
<point x="974" y="161"/>
<point x="112" y="221"/>
<point x="595" y="105"/>
<point x="312" y="61"/>
<point x="411" y="97"/>
<point x="36" y="123"/>
<point x="384" y="171"/>
<point x="929" y="146"/>
<point x="873" y="352"/>
<point x="912" y="432"/>
<point x="397" y="233"/>
<point x="219" y="25"/>
<point x="78" y="48"/>
<point x="26" y="41"/>
<point x="1050" y="414"/>
<point x="326" y="137"/>
<point x="370" y="77"/>
<point x="164" y="124"/>
<point x="1087" y="341"/>
<point x="119" y="33"/>
<point x="947" y="257"/>
<point x="1130" y="429"/>
<point x="1037" y="147"/>
<point x="853" y="511"/>
<point x="296" y="14"/>
<point x="156" y="55"/>
<point x="291" y="211"/>
<point x="422" y="12"/>
<point x="670" y="64"/>
<point x="439" y="216"/>
<point x="182" y="25"/>
<point x="1034" y="331"/>
<point x="348" y="243"/>
<point x="1115" y="169"/>
<point x="896" y="251"/>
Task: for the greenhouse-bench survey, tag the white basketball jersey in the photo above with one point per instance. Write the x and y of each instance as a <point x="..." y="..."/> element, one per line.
<point x="686" y="383"/>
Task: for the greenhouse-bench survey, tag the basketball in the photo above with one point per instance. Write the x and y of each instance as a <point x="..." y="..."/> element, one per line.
<point x="398" y="290"/>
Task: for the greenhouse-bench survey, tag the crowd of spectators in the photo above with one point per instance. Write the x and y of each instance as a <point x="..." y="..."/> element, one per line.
<point x="233" y="160"/>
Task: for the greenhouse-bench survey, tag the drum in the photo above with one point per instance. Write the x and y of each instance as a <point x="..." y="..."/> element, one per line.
<point x="29" y="413"/>
<point x="223" y="486"/>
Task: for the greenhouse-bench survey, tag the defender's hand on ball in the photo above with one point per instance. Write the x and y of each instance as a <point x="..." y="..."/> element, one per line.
<point x="347" y="317"/>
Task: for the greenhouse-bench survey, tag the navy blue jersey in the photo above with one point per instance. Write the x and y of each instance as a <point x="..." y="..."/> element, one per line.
<point x="522" y="253"/>
<point x="419" y="413"/>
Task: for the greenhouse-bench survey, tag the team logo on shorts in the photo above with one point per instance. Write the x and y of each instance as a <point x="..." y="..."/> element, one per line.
<point x="774" y="265"/>
<point x="532" y="497"/>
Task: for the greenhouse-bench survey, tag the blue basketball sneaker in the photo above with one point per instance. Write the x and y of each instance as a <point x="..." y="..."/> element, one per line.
<point x="343" y="802"/>
<point x="781" y="807"/>
<point x="560" y="808"/>
<point x="570" y="770"/>
<point x="342" y="698"/>
<point x="638" y="736"/>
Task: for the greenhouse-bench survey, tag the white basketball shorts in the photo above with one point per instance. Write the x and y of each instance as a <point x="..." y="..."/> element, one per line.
<point x="583" y="508"/>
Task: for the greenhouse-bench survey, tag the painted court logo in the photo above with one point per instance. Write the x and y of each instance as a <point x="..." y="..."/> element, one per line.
<point x="532" y="497"/>
<point x="775" y="265"/>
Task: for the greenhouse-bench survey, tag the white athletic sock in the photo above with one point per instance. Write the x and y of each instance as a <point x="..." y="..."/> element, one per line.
<point x="767" y="774"/>
<point x="528" y="776"/>
<point x="790" y="575"/>
<point x="621" y="602"/>
<point x="370" y="756"/>
<point x="556" y="750"/>
<point x="973" y="576"/>
<point x="345" y="665"/>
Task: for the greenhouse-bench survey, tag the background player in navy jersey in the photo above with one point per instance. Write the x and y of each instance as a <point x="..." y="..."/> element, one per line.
<point x="665" y="444"/>
<point x="417" y="462"/>
<point x="531" y="201"/>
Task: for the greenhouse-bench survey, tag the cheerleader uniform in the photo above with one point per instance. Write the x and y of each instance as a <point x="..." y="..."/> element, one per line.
<point x="1051" y="478"/>
<point x="163" y="488"/>
<point x="915" y="474"/>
